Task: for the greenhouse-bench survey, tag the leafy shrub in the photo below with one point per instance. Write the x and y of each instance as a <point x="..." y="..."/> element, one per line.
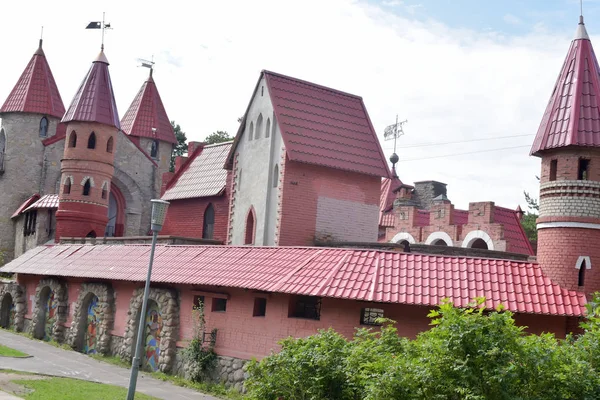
<point x="201" y="359"/>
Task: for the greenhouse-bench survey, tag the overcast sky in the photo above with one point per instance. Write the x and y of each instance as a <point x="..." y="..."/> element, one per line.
<point x="455" y="69"/>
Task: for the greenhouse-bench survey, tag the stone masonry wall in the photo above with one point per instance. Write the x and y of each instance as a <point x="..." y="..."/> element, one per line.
<point x="426" y="191"/>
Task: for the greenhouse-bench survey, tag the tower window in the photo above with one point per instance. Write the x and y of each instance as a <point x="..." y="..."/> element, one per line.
<point x="276" y="176"/>
<point x="553" y="167"/>
<point x="43" y="127"/>
<point x="87" y="187"/>
<point x="249" y="237"/>
<point x="209" y="222"/>
<point x="109" y="145"/>
<point x="105" y="190"/>
<point x="582" y="171"/>
<point x="154" y="149"/>
<point x="73" y="139"/>
<point x="268" y="128"/>
<point x="67" y="186"/>
<point x="259" y="122"/>
<point x="581" y="280"/>
<point x="92" y="141"/>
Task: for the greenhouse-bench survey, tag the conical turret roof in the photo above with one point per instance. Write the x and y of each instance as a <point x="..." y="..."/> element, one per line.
<point x="147" y="112"/>
<point x="36" y="90"/>
<point x="572" y="116"/>
<point x="95" y="100"/>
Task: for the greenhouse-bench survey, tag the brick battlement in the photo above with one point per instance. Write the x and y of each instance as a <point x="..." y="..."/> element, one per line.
<point x="162" y="239"/>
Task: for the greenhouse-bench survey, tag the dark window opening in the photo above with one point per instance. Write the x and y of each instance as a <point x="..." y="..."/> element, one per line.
<point x="440" y="242"/>
<point x="104" y="192"/>
<point x="249" y="239"/>
<point x="260" y="307"/>
<point x="44" y="127"/>
<point x="73" y="139"/>
<point x="553" y="167"/>
<point x="154" y="149"/>
<point x="198" y="301"/>
<point x="92" y="141"/>
<point x="50" y="227"/>
<point x="91" y="234"/>
<point x="368" y="316"/>
<point x="87" y="187"/>
<point x="582" y="171"/>
<point x="209" y="222"/>
<point x="276" y="176"/>
<point x="305" y="307"/>
<point x="30" y="223"/>
<point x="219" y="305"/>
<point x="109" y="145"/>
<point x="67" y="186"/>
<point x="479" y="244"/>
<point x="2" y="148"/>
<point x="581" y="280"/>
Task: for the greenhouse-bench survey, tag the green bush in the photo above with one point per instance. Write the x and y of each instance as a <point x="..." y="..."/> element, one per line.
<point x="468" y="354"/>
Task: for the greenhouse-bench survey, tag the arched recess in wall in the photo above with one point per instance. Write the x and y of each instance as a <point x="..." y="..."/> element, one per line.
<point x="268" y="128"/>
<point x="43" y="127"/>
<point x="92" y="141"/>
<point x="49" y="310"/>
<point x="208" y="222"/>
<point x="116" y="212"/>
<point x="110" y="144"/>
<point x="436" y="237"/>
<point x="13" y="306"/>
<point x="251" y="131"/>
<point x="132" y="194"/>
<point x="250" y="230"/>
<point x="73" y="139"/>
<point x="67" y="184"/>
<point x="2" y="148"/>
<point x="276" y="175"/>
<point x="400" y="236"/>
<point x="471" y="240"/>
<point x="259" y="123"/>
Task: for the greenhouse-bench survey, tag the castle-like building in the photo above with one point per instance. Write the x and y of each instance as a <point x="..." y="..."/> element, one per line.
<point x="305" y="167"/>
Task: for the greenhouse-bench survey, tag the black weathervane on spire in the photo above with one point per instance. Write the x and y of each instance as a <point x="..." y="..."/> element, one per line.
<point x="99" y="25"/>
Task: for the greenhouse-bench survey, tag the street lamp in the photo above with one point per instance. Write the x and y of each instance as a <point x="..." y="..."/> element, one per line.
<point x="159" y="212"/>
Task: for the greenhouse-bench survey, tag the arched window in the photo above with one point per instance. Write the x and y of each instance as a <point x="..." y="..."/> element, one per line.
<point x="209" y="222"/>
<point x="2" y="149"/>
<point x="87" y="187"/>
<point x="268" y="128"/>
<point x="92" y="141"/>
<point x="249" y="238"/>
<point x="43" y="127"/>
<point x="251" y="131"/>
<point x="581" y="280"/>
<point x="479" y="244"/>
<point x="73" y="139"/>
<point x="239" y="184"/>
<point x="276" y="176"/>
<point x="109" y="145"/>
<point x="258" y="126"/>
<point x="154" y="149"/>
<point x="439" y="242"/>
<point x="67" y="186"/>
<point x="274" y="124"/>
<point x="105" y="190"/>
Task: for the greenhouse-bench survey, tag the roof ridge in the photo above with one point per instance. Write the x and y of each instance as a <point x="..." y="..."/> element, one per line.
<point x="276" y="74"/>
<point x="218" y="144"/>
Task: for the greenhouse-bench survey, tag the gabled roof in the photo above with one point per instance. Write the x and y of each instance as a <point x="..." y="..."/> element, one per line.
<point x="147" y="112"/>
<point x="572" y="116"/>
<point x="354" y="274"/>
<point x="25" y="204"/>
<point x="514" y="234"/>
<point x="46" y="201"/>
<point x="387" y="196"/>
<point x="36" y="90"/>
<point x="95" y="100"/>
<point x="203" y="174"/>
<point x="322" y="126"/>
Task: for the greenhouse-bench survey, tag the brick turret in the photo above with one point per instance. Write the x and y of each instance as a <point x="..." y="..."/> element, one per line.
<point x="88" y="164"/>
<point x="568" y="142"/>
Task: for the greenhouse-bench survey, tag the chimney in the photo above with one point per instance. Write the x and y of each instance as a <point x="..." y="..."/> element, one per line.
<point x="166" y="179"/>
<point x="192" y="146"/>
<point x="427" y="191"/>
<point x="179" y="161"/>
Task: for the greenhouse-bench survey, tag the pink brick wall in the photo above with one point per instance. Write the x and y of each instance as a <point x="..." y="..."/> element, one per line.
<point x="123" y="292"/>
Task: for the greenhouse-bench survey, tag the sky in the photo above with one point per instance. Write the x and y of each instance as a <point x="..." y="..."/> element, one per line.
<point x="475" y="72"/>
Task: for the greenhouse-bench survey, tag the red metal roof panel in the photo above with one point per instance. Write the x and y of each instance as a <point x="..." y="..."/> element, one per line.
<point x="25" y="204"/>
<point x="46" y="201"/>
<point x="514" y="234"/>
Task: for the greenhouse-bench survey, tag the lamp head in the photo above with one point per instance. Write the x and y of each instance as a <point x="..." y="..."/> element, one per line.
<point x="159" y="212"/>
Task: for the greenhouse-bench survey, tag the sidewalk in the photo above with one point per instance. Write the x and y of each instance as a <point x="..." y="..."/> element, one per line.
<point x="50" y="360"/>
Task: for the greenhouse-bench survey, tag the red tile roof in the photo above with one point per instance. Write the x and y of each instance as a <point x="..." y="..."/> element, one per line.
<point x="322" y="126"/>
<point x="25" y="204"/>
<point x="387" y="197"/>
<point x="202" y="176"/>
<point x="95" y="100"/>
<point x="36" y="90"/>
<point x="365" y="275"/>
<point x="461" y="217"/>
<point x="46" y="201"/>
<point x="572" y="116"/>
<point x="514" y="234"/>
<point x="147" y="112"/>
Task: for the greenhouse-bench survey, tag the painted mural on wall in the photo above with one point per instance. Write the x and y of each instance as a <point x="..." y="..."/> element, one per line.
<point x="91" y="332"/>
<point x="12" y="312"/>
<point x="51" y="308"/>
<point x="153" y="330"/>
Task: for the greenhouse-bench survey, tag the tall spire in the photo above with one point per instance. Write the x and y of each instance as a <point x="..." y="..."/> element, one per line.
<point x="36" y="90"/>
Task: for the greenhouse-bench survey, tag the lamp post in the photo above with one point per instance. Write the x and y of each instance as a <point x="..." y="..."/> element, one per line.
<point x="159" y="212"/>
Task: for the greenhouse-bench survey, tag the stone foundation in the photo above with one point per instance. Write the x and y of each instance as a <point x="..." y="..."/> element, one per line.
<point x="228" y="370"/>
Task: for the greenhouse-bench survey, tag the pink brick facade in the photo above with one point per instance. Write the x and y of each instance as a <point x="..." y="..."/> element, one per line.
<point x="186" y="217"/>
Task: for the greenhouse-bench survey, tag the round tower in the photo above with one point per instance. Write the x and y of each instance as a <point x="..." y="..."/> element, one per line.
<point x="568" y="142"/>
<point x="87" y="166"/>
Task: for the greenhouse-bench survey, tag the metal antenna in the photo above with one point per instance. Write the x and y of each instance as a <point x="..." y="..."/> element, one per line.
<point x="42" y="33"/>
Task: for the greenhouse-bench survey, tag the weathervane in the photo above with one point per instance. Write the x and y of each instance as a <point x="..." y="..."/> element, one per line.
<point x="394" y="132"/>
<point x="99" y="25"/>
<point x="147" y="64"/>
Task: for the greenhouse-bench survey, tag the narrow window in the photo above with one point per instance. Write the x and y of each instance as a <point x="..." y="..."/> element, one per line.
<point x="249" y="239"/>
<point x="73" y="139"/>
<point x="305" y="307"/>
<point x="274" y="124"/>
<point x="260" y="307"/>
<point x="92" y="141"/>
<point x="26" y="225"/>
<point x="268" y="128"/>
<point x="87" y="188"/>
<point x="553" y="166"/>
<point x="219" y="305"/>
<point x="2" y="149"/>
<point x="259" y="122"/>
<point x="105" y="190"/>
<point x="582" y="172"/>
<point x="154" y="149"/>
<point x="50" y="227"/>
<point x="262" y="91"/>
<point x="239" y="185"/>
<point x="109" y="145"/>
<point x="209" y="222"/>
<point x="582" y="268"/>
<point x="251" y="131"/>
<point x="368" y="316"/>
<point x="276" y="176"/>
<point x="43" y="127"/>
<point x="67" y="186"/>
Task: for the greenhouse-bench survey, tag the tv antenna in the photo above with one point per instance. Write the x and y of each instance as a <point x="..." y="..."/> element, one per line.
<point x="394" y="131"/>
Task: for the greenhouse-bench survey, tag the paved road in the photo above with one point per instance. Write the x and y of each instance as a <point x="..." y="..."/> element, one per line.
<point x="54" y="361"/>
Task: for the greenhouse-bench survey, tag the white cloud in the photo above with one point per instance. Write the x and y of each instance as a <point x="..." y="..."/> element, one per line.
<point x="392" y="3"/>
<point x="451" y="84"/>
<point x="511" y="19"/>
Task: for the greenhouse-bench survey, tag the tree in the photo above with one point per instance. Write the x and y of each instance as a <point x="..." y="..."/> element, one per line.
<point x="217" y="137"/>
<point x="529" y="219"/>
<point x="181" y="146"/>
